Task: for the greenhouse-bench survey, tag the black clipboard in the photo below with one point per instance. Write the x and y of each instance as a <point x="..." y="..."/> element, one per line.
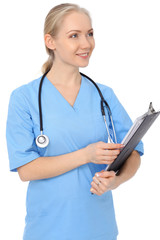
<point x="133" y="137"/>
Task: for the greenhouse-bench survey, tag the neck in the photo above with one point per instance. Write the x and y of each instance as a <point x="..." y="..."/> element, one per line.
<point x="64" y="75"/>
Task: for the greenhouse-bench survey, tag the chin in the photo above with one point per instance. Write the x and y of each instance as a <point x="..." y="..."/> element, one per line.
<point x="83" y="65"/>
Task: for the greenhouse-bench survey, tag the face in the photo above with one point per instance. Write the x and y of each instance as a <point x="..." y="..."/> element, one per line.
<point x="74" y="43"/>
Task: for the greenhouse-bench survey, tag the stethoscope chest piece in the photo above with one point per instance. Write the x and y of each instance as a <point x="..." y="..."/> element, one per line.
<point x="42" y="141"/>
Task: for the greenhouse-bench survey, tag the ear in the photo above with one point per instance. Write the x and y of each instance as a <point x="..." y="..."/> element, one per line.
<point x="49" y="41"/>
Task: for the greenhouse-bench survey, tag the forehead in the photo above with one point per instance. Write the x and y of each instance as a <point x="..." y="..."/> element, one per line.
<point x="76" y="21"/>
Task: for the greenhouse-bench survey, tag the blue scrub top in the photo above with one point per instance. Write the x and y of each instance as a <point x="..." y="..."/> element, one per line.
<point x="62" y="207"/>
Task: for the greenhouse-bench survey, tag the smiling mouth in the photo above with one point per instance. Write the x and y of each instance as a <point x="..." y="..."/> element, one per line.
<point x="83" y="54"/>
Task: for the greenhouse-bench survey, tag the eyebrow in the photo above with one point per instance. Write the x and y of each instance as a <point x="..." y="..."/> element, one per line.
<point x="78" y="30"/>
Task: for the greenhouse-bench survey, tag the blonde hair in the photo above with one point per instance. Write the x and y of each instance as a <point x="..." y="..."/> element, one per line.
<point x="52" y="23"/>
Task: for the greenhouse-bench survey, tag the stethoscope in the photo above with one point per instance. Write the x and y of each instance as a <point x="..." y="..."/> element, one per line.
<point x="42" y="140"/>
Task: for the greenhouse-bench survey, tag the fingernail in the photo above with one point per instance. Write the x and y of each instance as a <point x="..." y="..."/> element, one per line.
<point x="99" y="174"/>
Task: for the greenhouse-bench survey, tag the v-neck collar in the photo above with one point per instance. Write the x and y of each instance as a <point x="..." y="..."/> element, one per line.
<point x="62" y="97"/>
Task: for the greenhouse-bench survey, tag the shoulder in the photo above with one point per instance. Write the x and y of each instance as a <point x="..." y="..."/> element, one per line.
<point x="103" y="88"/>
<point x="24" y="97"/>
<point x="106" y="90"/>
<point x="25" y="91"/>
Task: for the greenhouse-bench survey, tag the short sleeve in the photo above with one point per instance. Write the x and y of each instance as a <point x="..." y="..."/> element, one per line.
<point x="19" y="132"/>
<point x="121" y="119"/>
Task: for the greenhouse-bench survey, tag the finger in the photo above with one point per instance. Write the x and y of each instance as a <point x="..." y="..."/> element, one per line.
<point x="105" y="159"/>
<point x="94" y="186"/>
<point x="94" y="191"/>
<point x="105" y="174"/>
<point x="108" y="159"/>
<point x="96" y="180"/>
<point x="107" y="162"/>
<point x="110" y="152"/>
<point x="112" y="146"/>
<point x="100" y="182"/>
<point x="98" y="187"/>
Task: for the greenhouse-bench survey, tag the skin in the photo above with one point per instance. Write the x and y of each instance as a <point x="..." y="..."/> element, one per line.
<point x="65" y="75"/>
<point x="66" y="45"/>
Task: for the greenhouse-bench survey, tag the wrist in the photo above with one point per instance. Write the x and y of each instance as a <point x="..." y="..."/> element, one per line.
<point x="117" y="182"/>
<point x="85" y="155"/>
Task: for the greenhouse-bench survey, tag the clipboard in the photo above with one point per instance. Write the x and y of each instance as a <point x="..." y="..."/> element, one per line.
<point x="133" y="137"/>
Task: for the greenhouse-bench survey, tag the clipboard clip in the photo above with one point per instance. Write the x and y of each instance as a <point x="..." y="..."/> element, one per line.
<point x="151" y="109"/>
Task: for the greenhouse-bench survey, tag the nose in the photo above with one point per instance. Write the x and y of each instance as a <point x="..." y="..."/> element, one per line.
<point x="85" y="42"/>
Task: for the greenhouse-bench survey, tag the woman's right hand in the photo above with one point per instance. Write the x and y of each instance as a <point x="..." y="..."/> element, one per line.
<point x="102" y="153"/>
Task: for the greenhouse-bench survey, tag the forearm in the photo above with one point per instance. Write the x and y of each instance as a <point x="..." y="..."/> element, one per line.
<point x="129" y="168"/>
<point x="47" y="167"/>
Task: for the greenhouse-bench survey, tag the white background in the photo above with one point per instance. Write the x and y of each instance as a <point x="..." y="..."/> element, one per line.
<point x="127" y="58"/>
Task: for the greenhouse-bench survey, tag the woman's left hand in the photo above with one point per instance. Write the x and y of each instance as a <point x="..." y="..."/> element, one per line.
<point x="103" y="181"/>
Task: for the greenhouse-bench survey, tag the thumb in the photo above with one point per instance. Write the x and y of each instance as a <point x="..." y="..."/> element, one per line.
<point x="107" y="174"/>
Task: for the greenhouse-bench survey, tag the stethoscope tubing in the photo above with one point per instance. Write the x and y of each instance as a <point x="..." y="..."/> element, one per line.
<point x="103" y="101"/>
<point x="39" y="101"/>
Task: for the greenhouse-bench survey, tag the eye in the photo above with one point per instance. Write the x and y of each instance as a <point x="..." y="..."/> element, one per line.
<point x="74" y="35"/>
<point x="90" y="34"/>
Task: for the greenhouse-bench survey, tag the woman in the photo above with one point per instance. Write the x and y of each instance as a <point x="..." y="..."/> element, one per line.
<point x="63" y="175"/>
